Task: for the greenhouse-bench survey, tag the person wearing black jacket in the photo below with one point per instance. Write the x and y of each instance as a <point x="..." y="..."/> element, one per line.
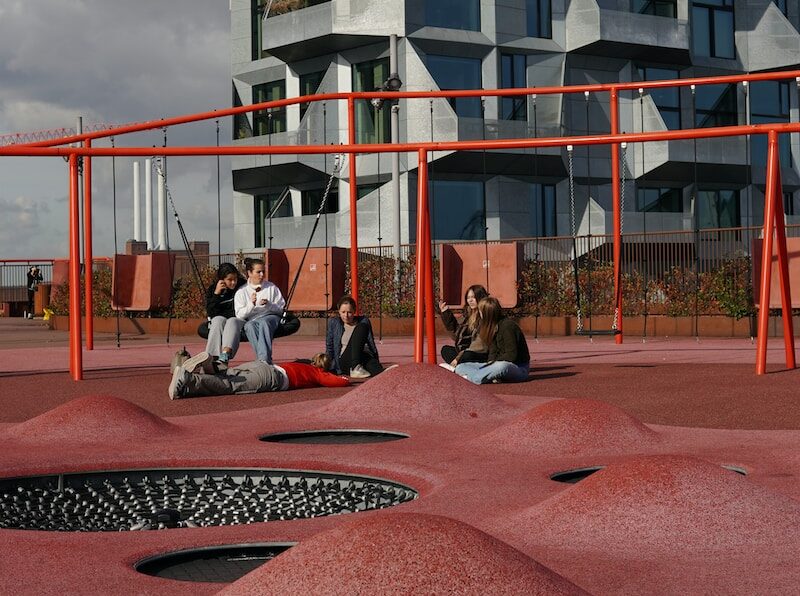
<point x="224" y="329"/>
<point x="468" y="346"/>
<point x="34" y="279"/>
<point x="509" y="358"/>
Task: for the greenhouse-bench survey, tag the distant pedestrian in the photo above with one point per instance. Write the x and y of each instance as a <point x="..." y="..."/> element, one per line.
<point x="34" y="279"/>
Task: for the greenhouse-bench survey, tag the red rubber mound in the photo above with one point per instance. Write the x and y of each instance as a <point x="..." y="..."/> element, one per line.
<point x="92" y="419"/>
<point x="403" y="554"/>
<point x="572" y="426"/>
<point x="663" y="505"/>
<point x="419" y="392"/>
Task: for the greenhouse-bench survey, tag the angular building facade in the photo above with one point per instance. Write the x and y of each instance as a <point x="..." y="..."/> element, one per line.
<point x="311" y="46"/>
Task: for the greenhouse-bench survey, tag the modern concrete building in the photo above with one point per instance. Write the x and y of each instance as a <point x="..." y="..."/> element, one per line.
<point x="313" y="46"/>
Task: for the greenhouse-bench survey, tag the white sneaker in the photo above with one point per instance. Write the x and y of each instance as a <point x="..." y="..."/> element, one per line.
<point x="178" y="387"/>
<point x="359" y="372"/>
<point x="202" y="359"/>
<point x="449" y="367"/>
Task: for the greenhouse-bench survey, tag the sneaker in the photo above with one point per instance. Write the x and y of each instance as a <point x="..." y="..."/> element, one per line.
<point x="224" y="357"/>
<point x="359" y="372"/>
<point x="179" y="386"/>
<point x="203" y="359"/>
<point x="449" y="367"/>
<point x="390" y="367"/>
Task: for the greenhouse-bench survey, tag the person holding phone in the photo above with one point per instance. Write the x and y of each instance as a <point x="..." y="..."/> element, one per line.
<point x="224" y="328"/>
<point x="260" y="304"/>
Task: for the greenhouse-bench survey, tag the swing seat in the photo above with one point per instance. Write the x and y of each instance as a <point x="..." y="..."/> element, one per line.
<point x="287" y="327"/>
<point x="584" y="332"/>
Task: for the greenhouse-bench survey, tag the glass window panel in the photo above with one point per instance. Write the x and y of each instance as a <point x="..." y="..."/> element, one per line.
<point x="451" y="72"/>
<point x="661" y="8"/>
<point x="659" y="200"/>
<point x="668" y="99"/>
<point x="513" y="75"/>
<point x="262" y="123"/>
<point x="543" y="213"/>
<point x="309" y="84"/>
<point x="241" y="125"/>
<point x="715" y="106"/>
<point x="312" y="199"/>
<point x="372" y="126"/>
<point x="453" y="14"/>
<point x="264" y="205"/>
<point x="719" y="209"/>
<point x="701" y="31"/>
<point x="724" y="46"/>
<point x="539" y="18"/>
<point x="457" y="208"/>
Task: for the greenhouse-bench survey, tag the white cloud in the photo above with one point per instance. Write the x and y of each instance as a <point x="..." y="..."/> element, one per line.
<point x="110" y="62"/>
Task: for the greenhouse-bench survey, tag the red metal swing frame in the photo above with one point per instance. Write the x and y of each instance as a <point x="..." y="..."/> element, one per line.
<point x="424" y="316"/>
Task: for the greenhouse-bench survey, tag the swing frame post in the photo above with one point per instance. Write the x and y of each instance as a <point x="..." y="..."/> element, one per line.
<point x="88" y="257"/>
<point x="615" y="194"/>
<point x="774" y="224"/>
<point x="75" y="353"/>
<point x="423" y="247"/>
<point x="351" y="140"/>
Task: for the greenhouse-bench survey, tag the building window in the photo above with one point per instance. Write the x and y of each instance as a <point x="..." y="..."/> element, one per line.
<point x="309" y="85"/>
<point x="263" y="124"/>
<point x="788" y="203"/>
<point x="512" y="74"/>
<point x="539" y="17"/>
<point x="372" y="126"/>
<point x="256" y="28"/>
<point x="712" y="28"/>
<point x="543" y="214"/>
<point x="769" y="102"/>
<point x="450" y="72"/>
<point x="715" y="105"/>
<point x="659" y="200"/>
<point x="782" y="6"/>
<point x="659" y="8"/>
<point x="264" y="205"/>
<point x="453" y="14"/>
<point x="667" y="99"/>
<point x="457" y="210"/>
<point x="719" y="209"/>
<point x="310" y="201"/>
<point x="241" y="125"/>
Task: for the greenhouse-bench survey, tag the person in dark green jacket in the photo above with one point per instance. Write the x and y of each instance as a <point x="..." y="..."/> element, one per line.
<point x="509" y="359"/>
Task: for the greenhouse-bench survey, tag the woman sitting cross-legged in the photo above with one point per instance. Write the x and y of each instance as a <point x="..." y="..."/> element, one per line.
<point x="224" y="329"/>
<point x="509" y="359"/>
<point x="259" y="303"/>
<point x="468" y="345"/>
<point x="196" y="377"/>
<point x="349" y="342"/>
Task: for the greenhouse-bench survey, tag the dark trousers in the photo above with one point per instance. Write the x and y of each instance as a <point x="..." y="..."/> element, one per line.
<point x="450" y="352"/>
<point x="31" y="294"/>
<point x="355" y="353"/>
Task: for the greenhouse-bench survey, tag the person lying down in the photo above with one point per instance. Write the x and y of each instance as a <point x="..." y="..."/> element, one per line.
<point x="198" y="376"/>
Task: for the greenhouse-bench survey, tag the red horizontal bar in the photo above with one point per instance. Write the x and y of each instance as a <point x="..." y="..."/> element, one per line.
<point x="596" y="88"/>
<point x="604" y="139"/>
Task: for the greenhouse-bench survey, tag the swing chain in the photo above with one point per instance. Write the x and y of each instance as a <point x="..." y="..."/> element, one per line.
<point x="624" y="147"/>
<point x="571" y="190"/>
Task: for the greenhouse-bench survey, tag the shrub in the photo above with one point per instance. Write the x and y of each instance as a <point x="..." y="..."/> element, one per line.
<point x="189" y="301"/>
<point x="101" y="295"/>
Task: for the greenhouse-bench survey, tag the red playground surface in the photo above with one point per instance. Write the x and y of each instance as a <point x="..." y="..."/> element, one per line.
<point x="696" y="486"/>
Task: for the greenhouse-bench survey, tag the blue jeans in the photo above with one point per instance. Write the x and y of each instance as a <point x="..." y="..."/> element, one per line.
<point x="502" y="371"/>
<point x="259" y="333"/>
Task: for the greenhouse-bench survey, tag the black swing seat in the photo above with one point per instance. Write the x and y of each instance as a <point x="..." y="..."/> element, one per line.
<point x="590" y="332"/>
<point x="289" y="325"/>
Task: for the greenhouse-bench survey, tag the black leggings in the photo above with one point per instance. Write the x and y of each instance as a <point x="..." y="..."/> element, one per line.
<point x="450" y="352"/>
<point x="356" y="353"/>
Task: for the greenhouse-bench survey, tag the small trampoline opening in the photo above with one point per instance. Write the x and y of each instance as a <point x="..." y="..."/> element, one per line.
<point x="343" y="436"/>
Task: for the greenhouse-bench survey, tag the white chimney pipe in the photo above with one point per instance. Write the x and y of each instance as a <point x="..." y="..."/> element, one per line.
<point x="162" y="210"/>
<point x="137" y="198"/>
<point x="148" y="202"/>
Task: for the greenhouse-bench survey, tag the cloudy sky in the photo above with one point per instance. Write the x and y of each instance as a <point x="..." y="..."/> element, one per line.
<point x="111" y="61"/>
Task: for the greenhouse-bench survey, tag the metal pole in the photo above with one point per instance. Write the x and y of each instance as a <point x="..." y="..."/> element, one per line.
<point x="766" y="255"/>
<point x="137" y="195"/>
<point x="615" y="193"/>
<point x="395" y="132"/>
<point x="351" y="139"/>
<point x="422" y="216"/>
<point x="75" y="353"/>
<point x="87" y="247"/>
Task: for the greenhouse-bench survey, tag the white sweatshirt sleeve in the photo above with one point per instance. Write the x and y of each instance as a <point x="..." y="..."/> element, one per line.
<point x="241" y="303"/>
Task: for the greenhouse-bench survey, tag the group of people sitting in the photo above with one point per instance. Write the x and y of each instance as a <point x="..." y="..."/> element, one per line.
<point x="489" y="347"/>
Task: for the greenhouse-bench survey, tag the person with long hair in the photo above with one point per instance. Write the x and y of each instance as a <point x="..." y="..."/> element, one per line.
<point x="350" y="343"/>
<point x="509" y="359"/>
<point x="224" y="328"/>
<point x="468" y="345"/>
<point x="259" y="303"/>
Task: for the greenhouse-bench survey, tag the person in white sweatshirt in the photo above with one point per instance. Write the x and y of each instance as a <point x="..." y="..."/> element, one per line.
<point x="259" y="303"/>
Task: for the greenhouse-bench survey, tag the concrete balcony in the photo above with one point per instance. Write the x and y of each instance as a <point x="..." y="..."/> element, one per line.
<point x="621" y="33"/>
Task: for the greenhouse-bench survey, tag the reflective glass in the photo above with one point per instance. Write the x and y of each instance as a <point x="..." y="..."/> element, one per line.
<point x="453" y="14"/>
<point x="512" y="74"/>
<point x="539" y="17"/>
<point x="450" y="72"/>
<point x="457" y="210"/>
